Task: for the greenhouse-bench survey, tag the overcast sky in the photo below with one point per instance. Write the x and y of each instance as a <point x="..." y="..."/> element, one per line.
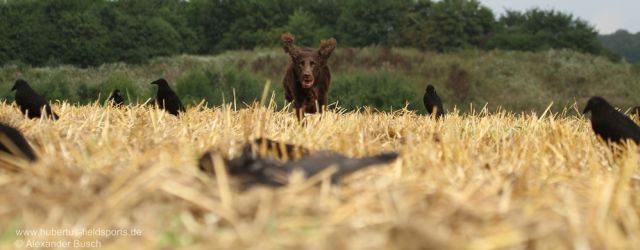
<point x="607" y="16"/>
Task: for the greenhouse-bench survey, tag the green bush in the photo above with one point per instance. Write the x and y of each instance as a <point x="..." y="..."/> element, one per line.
<point x="380" y="90"/>
<point x="131" y="90"/>
<point x="194" y="86"/>
<point x="218" y="87"/>
<point x="57" y="87"/>
<point x="636" y="67"/>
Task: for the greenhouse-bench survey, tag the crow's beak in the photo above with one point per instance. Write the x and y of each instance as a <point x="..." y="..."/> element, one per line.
<point x="14" y="88"/>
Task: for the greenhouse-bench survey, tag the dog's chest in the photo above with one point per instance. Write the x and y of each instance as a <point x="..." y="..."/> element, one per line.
<point x="309" y="96"/>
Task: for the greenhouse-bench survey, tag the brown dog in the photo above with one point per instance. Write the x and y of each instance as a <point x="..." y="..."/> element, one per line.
<point x="308" y="78"/>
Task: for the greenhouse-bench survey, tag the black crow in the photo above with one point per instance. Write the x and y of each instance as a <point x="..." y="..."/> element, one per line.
<point x="116" y="98"/>
<point x="610" y="124"/>
<point x="167" y="99"/>
<point x="270" y="172"/>
<point x="30" y="102"/>
<point x="12" y="142"/>
<point x="432" y="101"/>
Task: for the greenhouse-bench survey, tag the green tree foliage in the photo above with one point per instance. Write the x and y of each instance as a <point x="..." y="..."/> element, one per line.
<point x="257" y="23"/>
<point x="217" y="87"/>
<point x="415" y="29"/>
<point x="302" y="24"/>
<point x="92" y="32"/>
<point x="367" y="22"/>
<point x="624" y="43"/>
<point x="8" y="50"/>
<point x="538" y="29"/>
<point x="81" y="39"/>
<point x="459" y="24"/>
<point x="27" y="32"/>
<point x="382" y="90"/>
<point x="209" y="20"/>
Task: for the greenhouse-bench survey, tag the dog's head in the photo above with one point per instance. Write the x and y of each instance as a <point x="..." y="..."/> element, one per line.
<point x="307" y="62"/>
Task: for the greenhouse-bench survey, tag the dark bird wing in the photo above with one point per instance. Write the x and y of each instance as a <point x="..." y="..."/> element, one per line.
<point x="268" y="172"/>
<point x="427" y="105"/>
<point x="172" y="103"/>
<point x="440" y="107"/>
<point x="174" y="100"/>
<point x="614" y="126"/>
<point x="352" y="165"/>
<point x="50" y="112"/>
<point x="12" y="142"/>
<point x="24" y="101"/>
<point x="314" y="164"/>
<point x="30" y="102"/>
<point x="38" y="103"/>
<point x="431" y="101"/>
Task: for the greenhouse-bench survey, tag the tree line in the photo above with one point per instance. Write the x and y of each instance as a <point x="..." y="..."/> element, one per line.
<point x="93" y="32"/>
<point x="623" y="43"/>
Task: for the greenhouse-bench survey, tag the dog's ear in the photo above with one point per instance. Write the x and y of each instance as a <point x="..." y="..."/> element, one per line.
<point x="287" y="45"/>
<point x="326" y="48"/>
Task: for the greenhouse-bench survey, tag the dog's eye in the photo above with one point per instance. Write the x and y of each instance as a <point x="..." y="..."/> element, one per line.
<point x="313" y="63"/>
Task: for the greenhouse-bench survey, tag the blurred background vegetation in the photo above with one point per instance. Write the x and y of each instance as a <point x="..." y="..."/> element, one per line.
<point x="623" y="43"/>
<point x="383" y="78"/>
<point x="93" y="32"/>
<point x="77" y="50"/>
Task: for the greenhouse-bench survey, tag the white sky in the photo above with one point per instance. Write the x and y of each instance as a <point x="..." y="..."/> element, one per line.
<point x="607" y="16"/>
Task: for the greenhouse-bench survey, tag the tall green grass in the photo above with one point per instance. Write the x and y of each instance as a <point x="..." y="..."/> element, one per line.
<point x="382" y="78"/>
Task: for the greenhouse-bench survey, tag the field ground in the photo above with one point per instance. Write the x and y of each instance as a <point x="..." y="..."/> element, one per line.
<point x="483" y="180"/>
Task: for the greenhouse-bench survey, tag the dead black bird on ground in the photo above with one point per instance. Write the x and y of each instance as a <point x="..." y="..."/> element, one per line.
<point x="13" y="142"/>
<point x="30" y="102"/>
<point x="116" y="98"/>
<point x="432" y="102"/>
<point x="167" y="99"/>
<point x="609" y="124"/>
<point x="263" y="148"/>
<point x="270" y="172"/>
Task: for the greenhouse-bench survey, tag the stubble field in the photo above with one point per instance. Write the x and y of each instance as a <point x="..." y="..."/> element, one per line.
<point x="482" y="180"/>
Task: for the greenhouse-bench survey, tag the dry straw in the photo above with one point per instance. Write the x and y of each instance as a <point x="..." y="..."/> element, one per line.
<point x="485" y="180"/>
